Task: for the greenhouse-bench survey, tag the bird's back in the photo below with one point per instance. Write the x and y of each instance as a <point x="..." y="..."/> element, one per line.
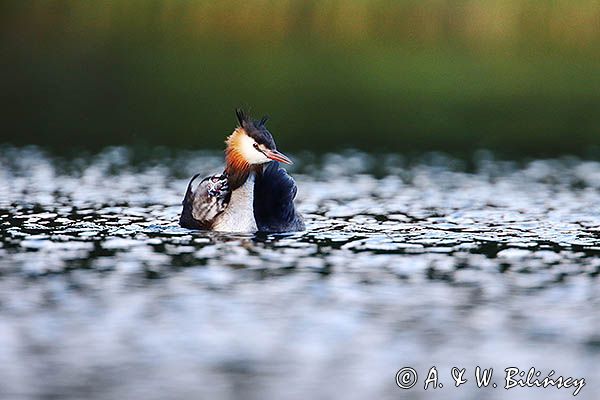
<point x="274" y="193"/>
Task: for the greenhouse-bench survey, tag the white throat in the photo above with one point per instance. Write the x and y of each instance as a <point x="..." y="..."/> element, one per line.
<point x="239" y="214"/>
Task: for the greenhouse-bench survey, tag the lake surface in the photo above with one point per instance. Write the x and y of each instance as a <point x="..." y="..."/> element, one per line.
<point x="406" y="262"/>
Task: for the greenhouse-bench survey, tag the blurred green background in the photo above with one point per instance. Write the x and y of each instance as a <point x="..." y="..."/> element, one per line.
<point x="520" y="77"/>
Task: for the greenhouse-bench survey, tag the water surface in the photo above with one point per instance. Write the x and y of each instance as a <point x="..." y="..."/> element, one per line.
<point x="406" y="262"/>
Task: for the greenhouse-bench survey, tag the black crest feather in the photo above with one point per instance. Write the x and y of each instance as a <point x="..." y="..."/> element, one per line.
<point x="241" y="116"/>
<point x="263" y="120"/>
<point x="256" y="128"/>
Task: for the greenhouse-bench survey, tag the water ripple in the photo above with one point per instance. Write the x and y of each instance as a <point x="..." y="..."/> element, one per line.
<point x="404" y="262"/>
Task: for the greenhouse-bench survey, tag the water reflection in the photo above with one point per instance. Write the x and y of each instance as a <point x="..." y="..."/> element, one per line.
<point x="405" y="262"/>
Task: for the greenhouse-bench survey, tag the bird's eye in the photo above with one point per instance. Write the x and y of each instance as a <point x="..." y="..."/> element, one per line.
<point x="256" y="146"/>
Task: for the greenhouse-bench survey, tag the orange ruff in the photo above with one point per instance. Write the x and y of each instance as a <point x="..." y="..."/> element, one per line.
<point x="233" y="157"/>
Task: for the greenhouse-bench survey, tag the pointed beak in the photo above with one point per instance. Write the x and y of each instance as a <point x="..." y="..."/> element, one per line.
<point x="277" y="156"/>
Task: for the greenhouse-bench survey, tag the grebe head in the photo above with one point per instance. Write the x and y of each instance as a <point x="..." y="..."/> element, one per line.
<point x="252" y="144"/>
<point x="248" y="147"/>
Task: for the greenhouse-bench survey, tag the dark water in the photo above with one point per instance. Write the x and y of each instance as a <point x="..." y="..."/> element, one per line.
<point x="405" y="263"/>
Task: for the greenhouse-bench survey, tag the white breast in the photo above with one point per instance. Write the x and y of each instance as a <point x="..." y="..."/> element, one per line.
<point x="239" y="214"/>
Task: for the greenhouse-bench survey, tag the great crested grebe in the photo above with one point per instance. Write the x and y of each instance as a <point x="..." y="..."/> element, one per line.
<point x="253" y="194"/>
